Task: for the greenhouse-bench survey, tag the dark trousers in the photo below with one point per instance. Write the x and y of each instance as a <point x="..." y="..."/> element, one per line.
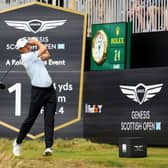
<point x="40" y="97"/>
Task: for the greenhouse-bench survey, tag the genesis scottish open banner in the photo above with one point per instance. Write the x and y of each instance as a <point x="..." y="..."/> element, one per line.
<point x="130" y="103"/>
<point x="63" y="32"/>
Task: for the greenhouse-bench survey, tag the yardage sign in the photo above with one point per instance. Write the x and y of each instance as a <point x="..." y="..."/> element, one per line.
<point x="63" y="32"/>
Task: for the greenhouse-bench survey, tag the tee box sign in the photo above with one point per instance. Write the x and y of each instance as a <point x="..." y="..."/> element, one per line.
<point x="111" y="46"/>
<point x="63" y="31"/>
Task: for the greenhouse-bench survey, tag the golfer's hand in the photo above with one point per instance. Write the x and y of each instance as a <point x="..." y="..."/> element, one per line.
<point x="33" y="42"/>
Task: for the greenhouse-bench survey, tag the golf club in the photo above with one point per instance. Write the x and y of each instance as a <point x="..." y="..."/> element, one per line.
<point x="2" y="85"/>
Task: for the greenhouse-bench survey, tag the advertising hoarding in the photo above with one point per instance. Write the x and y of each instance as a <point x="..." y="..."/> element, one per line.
<point x="130" y="103"/>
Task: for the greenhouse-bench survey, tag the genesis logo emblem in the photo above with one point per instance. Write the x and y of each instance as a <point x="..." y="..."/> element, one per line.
<point x="35" y="25"/>
<point x="141" y="93"/>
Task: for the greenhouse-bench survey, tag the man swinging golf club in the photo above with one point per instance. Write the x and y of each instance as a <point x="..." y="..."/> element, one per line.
<point x="42" y="92"/>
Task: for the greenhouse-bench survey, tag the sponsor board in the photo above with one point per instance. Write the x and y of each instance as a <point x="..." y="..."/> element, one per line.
<point x="134" y="103"/>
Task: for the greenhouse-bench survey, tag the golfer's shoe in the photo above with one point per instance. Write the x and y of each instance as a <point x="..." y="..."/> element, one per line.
<point x="48" y="152"/>
<point x="16" y="149"/>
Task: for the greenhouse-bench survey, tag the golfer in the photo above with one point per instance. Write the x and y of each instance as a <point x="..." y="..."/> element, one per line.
<point x="43" y="93"/>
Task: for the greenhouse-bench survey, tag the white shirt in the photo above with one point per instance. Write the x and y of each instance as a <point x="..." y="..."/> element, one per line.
<point x="36" y="70"/>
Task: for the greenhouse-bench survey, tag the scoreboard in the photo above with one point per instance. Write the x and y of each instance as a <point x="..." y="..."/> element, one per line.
<point x="111" y="46"/>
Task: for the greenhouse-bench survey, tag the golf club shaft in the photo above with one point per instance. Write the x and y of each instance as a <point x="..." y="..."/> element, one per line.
<point x="4" y="76"/>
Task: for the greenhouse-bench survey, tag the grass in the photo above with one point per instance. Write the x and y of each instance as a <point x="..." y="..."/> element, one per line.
<point x="77" y="153"/>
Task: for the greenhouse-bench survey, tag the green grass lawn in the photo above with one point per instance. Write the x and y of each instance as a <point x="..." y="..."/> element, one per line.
<point x="77" y="153"/>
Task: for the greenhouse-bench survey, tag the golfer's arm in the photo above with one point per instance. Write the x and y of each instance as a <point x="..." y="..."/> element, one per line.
<point x="42" y="51"/>
<point x="45" y="56"/>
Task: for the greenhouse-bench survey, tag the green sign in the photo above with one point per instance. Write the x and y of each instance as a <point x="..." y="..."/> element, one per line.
<point x="111" y="46"/>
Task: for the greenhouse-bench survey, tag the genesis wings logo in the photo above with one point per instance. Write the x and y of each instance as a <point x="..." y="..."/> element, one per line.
<point x="35" y="25"/>
<point x="141" y="93"/>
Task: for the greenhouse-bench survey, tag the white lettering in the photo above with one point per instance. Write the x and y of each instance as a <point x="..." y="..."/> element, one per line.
<point x="65" y="87"/>
<point x="56" y="62"/>
<point x="140" y="115"/>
